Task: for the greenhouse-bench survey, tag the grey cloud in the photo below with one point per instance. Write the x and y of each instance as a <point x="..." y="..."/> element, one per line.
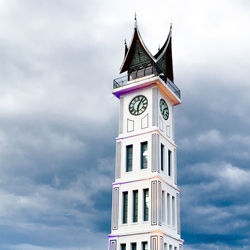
<point x="58" y="119"/>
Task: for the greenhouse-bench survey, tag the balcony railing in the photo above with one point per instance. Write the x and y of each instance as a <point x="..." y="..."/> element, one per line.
<point x="123" y="81"/>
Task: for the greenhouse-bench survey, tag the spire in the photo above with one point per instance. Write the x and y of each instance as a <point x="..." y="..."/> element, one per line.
<point x="135" y="21"/>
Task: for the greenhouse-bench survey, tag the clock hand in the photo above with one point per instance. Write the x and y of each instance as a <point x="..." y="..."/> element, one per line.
<point x="139" y="104"/>
<point x="165" y="110"/>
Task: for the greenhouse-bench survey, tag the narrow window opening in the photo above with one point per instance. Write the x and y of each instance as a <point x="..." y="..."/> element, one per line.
<point x="169" y="163"/>
<point x="168" y="209"/>
<point x="145" y="204"/>
<point x="173" y="211"/>
<point x="123" y="246"/>
<point x="129" y="158"/>
<point x="133" y="246"/>
<point x="162" y="157"/>
<point x="165" y="246"/>
<point x="135" y="206"/>
<point x="132" y="75"/>
<point x="145" y="245"/>
<point x="144" y="155"/>
<point x="125" y="208"/>
<point x="141" y="73"/>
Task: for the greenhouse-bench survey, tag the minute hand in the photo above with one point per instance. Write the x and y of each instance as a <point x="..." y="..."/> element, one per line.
<point x="139" y="104"/>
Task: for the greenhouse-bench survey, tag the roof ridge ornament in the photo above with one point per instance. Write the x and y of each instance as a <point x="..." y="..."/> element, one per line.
<point x="135" y="21"/>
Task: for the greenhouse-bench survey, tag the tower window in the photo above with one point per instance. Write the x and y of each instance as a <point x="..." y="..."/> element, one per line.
<point x="168" y="209"/>
<point x="162" y="157"/>
<point x="163" y="207"/>
<point x="125" y="207"/>
<point x="145" y="245"/>
<point x="149" y="71"/>
<point x="165" y="246"/>
<point x="123" y="246"/>
<point x="145" y="204"/>
<point x="169" y="162"/>
<point x="129" y="158"/>
<point x="135" y="205"/>
<point x="141" y="73"/>
<point x="144" y="155"/>
<point x="132" y="76"/>
<point x="133" y="246"/>
<point x="173" y="211"/>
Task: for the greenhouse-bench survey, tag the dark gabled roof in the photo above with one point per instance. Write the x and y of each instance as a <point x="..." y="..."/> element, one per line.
<point x="164" y="59"/>
<point x="133" y="59"/>
<point x="137" y="55"/>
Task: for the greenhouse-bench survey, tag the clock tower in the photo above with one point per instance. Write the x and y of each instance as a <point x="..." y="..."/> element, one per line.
<point x="145" y="196"/>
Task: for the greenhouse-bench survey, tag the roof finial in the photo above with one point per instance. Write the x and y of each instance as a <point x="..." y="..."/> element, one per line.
<point x="135" y="21"/>
<point x="170" y="26"/>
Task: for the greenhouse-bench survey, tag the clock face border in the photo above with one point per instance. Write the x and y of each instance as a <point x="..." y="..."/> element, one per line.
<point x="137" y="100"/>
<point x="164" y="109"/>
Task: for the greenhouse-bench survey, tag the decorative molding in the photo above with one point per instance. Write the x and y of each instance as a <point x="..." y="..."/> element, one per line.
<point x="155" y="106"/>
<point x="178" y="213"/>
<point x="161" y="243"/>
<point x="113" y="245"/>
<point x="155" y="153"/>
<point x="168" y="131"/>
<point x="154" y="203"/>
<point x="151" y="131"/>
<point x="160" y="232"/>
<point x="130" y="125"/>
<point x="154" y="242"/>
<point x="115" y="208"/>
<point x="150" y="178"/>
<point x="175" y="167"/>
<point x="160" y="124"/>
<point x="173" y="127"/>
<point x="159" y="189"/>
<point x="118" y="160"/>
<point x="121" y="114"/>
<point x="144" y="122"/>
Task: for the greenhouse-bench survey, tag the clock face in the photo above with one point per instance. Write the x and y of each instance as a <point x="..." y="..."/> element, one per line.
<point x="138" y="105"/>
<point x="164" y="109"/>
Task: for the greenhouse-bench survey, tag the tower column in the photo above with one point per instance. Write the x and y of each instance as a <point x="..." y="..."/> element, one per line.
<point x="145" y="195"/>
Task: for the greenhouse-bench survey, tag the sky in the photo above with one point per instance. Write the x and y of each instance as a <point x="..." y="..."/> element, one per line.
<point x="59" y="119"/>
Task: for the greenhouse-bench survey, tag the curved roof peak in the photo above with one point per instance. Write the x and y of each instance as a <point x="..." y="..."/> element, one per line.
<point x="163" y="49"/>
<point x="137" y="51"/>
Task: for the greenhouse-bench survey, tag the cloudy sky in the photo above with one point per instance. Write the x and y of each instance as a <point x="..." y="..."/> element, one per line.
<point x="58" y="118"/>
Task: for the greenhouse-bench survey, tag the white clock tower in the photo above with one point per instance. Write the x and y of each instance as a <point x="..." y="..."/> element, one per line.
<point x="145" y="196"/>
